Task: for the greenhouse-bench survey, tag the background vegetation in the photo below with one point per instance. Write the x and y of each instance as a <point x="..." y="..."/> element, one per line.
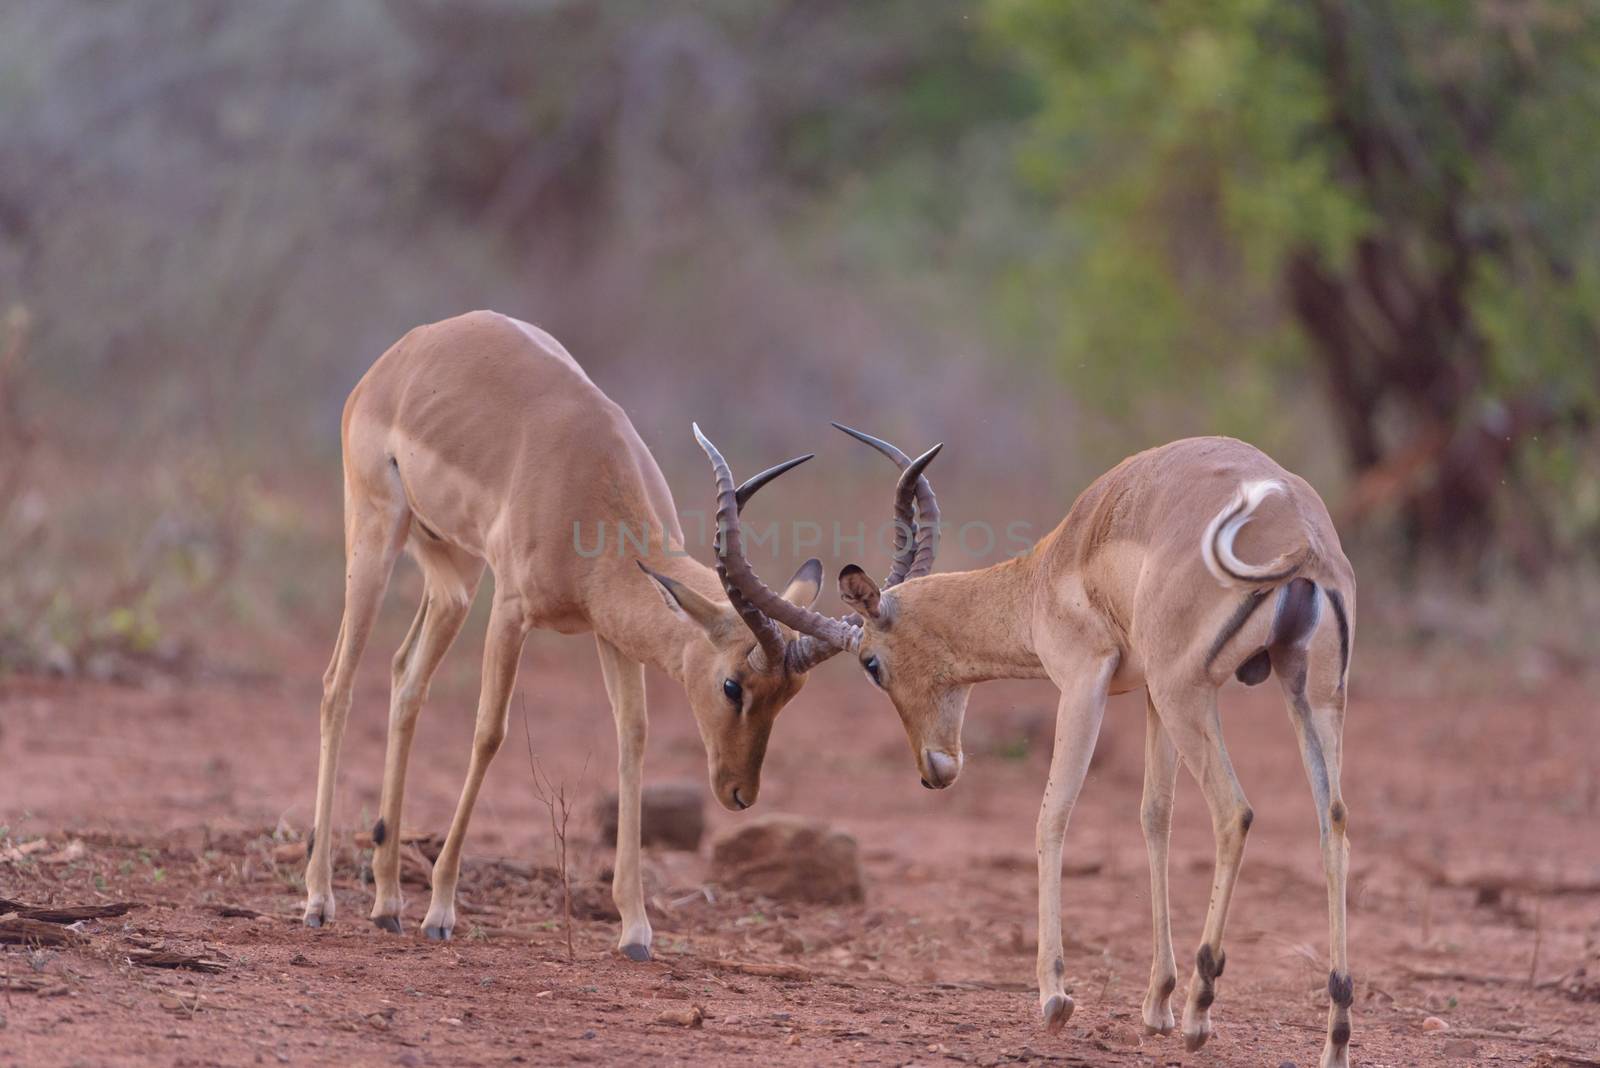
<point x="1362" y="233"/>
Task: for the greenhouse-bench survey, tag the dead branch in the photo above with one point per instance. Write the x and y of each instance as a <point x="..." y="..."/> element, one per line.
<point x="19" y="930"/>
<point x="1490" y="886"/>
<point x="69" y="914"/>
<point x="763" y="969"/>
<point x="168" y="958"/>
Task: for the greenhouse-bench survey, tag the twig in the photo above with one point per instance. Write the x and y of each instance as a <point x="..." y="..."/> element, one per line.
<point x="1538" y="937"/>
<point x="560" y="807"/>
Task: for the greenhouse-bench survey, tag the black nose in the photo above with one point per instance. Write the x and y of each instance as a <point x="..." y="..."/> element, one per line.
<point x="740" y="802"/>
<point x="926" y="785"/>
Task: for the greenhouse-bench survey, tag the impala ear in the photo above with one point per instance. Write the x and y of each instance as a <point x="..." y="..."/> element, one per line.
<point x="859" y="592"/>
<point x="687" y="604"/>
<point x="806" y="584"/>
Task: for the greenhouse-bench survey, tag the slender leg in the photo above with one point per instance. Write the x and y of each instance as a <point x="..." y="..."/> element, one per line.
<point x="372" y="543"/>
<point x="502" y="649"/>
<point x="438" y="622"/>
<point x="1318" y="716"/>
<point x="1155" y="814"/>
<point x="1189" y="714"/>
<point x="625" y="686"/>
<point x="1083" y="705"/>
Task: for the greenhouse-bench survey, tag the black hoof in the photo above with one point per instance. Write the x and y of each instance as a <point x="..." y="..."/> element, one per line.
<point x="387" y="923"/>
<point x="314" y="920"/>
<point x="437" y="934"/>
<point x="1056" y="1012"/>
<point x="635" y="951"/>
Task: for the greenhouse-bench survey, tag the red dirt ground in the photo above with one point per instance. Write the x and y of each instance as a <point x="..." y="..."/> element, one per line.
<point x="176" y="791"/>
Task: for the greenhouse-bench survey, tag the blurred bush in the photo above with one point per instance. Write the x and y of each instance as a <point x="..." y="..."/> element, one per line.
<point x="1398" y="192"/>
<point x="1361" y="234"/>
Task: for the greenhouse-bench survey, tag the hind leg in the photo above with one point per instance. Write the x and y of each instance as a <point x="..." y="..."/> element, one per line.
<point x="1189" y="713"/>
<point x="1314" y="687"/>
<point x="375" y="530"/>
<point x="1155" y="815"/>
<point x="451" y="580"/>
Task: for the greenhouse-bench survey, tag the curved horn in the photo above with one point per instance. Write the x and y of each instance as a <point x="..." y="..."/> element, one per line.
<point x="916" y="533"/>
<point x="770" y="646"/>
<point x="739" y="578"/>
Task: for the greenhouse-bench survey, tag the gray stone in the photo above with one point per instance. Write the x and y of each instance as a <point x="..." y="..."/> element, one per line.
<point x="671" y="814"/>
<point x="789" y="859"/>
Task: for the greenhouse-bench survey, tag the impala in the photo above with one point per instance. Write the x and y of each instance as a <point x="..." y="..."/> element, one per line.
<point x="479" y="440"/>
<point x="1144" y="584"/>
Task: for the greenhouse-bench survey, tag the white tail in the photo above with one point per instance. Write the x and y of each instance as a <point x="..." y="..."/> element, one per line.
<point x="1216" y="544"/>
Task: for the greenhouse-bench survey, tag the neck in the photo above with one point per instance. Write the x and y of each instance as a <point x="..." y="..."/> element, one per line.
<point x="626" y="610"/>
<point x="985" y="619"/>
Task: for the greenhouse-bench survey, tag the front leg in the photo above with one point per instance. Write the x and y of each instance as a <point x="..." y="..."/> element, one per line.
<point x="625" y="686"/>
<point x="1083" y="703"/>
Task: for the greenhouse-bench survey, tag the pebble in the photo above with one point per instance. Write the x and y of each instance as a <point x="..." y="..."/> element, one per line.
<point x="1433" y="1023"/>
<point x="588" y="1034"/>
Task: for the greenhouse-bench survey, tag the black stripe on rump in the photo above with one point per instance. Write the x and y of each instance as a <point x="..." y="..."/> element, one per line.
<point x="1337" y="600"/>
<point x="1240" y="617"/>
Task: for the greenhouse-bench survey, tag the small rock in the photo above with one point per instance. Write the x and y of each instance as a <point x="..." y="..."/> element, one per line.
<point x="1433" y="1023"/>
<point x="1461" y="1047"/>
<point x="671" y="814"/>
<point x="792" y="1040"/>
<point x="789" y="858"/>
<point x="587" y="1034"/>
<point x="692" y="1017"/>
<point x="544" y="994"/>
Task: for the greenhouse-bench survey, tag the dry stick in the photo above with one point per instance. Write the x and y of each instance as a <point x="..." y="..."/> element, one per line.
<point x="555" y="800"/>
<point x="1538" y="937"/>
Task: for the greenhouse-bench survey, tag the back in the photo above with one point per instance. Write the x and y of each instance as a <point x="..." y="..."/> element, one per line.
<point x="558" y="451"/>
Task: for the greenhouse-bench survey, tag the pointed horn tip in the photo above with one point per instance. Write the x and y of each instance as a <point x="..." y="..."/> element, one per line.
<point x="920" y="464"/>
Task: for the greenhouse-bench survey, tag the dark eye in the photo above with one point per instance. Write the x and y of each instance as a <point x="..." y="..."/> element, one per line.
<point x="733" y="691"/>
<point x="871" y="664"/>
